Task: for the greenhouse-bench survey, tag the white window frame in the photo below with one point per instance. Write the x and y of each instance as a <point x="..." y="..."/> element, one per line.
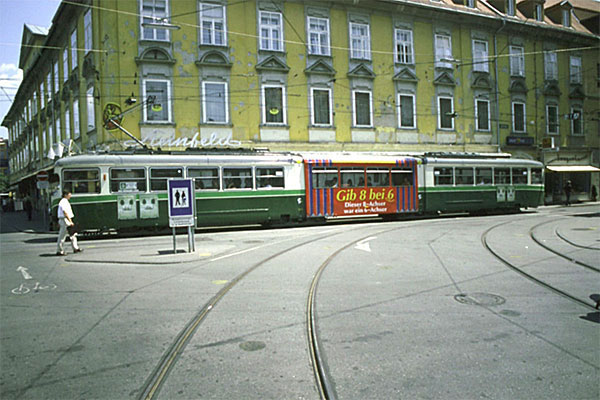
<point x="403" y="46"/>
<point x="312" y="106"/>
<point x="575" y="69"/>
<point x="65" y="64"/>
<point x="443" y="51"/>
<point x="67" y="122"/>
<point x="517" y="60"/>
<point x="264" y="104"/>
<point x="91" y="109"/>
<point x="477" y="127"/>
<point x="55" y="76"/>
<point x="154" y="17"/>
<point x="549" y="130"/>
<point x="88" y="41"/>
<point x="74" y="49"/>
<point x="480" y="56"/>
<point x="318" y="39"/>
<point x="354" y="111"/>
<point x="213" y="21"/>
<point x="269" y="42"/>
<point x="514" y="126"/>
<point x="205" y="97"/>
<point x="169" y="102"/>
<point x="399" y="110"/>
<point x="360" y="44"/>
<point x="579" y="110"/>
<point x="439" y="104"/>
<point x="551" y="66"/>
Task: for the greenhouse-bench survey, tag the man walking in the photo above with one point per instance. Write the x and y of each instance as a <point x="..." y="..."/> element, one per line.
<point x="65" y="220"/>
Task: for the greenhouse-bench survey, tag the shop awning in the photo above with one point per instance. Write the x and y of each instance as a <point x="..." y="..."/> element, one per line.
<point x="572" y="168"/>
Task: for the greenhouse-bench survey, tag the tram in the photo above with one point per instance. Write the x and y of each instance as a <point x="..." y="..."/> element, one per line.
<point x="128" y="190"/>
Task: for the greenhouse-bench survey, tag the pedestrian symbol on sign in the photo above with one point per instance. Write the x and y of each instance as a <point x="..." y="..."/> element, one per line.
<point x="180" y="197"/>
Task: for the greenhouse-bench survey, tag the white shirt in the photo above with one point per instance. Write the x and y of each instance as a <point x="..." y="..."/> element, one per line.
<point x="64" y="208"/>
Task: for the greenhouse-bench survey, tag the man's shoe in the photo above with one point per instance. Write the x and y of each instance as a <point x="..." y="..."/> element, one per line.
<point x="78" y="250"/>
<point x="60" y="253"/>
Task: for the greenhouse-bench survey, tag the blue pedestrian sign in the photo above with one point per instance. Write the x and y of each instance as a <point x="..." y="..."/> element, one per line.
<point x="181" y="202"/>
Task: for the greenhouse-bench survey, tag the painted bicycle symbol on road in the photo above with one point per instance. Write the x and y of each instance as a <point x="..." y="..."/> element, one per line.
<point x="24" y="288"/>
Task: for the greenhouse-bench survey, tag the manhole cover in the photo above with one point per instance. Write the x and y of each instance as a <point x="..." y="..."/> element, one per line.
<point x="252" y="345"/>
<point x="480" y="299"/>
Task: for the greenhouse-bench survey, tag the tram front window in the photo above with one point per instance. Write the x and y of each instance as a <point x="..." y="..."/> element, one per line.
<point x="160" y="176"/>
<point x="519" y="176"/>
<point x="536" y="176"/>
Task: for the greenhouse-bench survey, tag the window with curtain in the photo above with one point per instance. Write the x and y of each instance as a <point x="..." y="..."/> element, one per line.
<point x="406" y="111"/>
<point x="215" y="102"/>
<point x="318" y="36"/>
<point x="362" y="108"/>
<point x="321" y="106"/>
<point x="271" y="31"/>
<point x="404" y="46"/>
<point x="212" y="23"/>
<point x="360" y="42"/>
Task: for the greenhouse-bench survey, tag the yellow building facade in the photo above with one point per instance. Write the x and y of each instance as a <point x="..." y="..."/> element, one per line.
<point x="392" y="76"/>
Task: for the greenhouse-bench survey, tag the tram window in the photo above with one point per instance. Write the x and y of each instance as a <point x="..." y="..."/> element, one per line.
<point x="160" y="176"/>
<point x="237" y="178"/>
<point x="378" y="177"/>
<point x="519" y="176"/>
<point x="352" y="177"/>
<point x="402" y="177"/>
<point x="323" y="177"/>
<point x="483" y="176"/>
<point x="443" y="176"/>
<point x="464" y="176"/>
<point x="501" y="176"/>
<point x="81" y="180"/>
<point x="205" y="178"/>
<point x="128" y="180"/>
<point x="536" y="176"/>
<point x="269" y="178"/>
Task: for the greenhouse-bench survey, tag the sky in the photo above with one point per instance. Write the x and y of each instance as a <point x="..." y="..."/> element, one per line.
<point x="13" y="15"/>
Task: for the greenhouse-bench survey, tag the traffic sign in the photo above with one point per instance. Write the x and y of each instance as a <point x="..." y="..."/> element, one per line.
<point x="181" y="202"/>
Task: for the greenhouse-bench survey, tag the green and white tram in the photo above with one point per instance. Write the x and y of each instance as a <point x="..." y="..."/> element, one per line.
<point x="129" y="191"/>
<point x="450" y="183"/>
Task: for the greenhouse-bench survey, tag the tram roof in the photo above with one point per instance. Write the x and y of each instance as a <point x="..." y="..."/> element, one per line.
<point x="483" y="161"/>
<point x="357" y="157"/>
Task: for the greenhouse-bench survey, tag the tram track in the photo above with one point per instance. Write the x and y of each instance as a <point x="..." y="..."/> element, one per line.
<point x="522" y="272"/>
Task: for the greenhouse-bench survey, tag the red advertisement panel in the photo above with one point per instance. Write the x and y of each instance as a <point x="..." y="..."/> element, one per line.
<point x="361" y="201"/>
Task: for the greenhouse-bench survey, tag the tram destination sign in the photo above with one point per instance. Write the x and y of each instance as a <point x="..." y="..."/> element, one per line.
<point x="181" y="202"/>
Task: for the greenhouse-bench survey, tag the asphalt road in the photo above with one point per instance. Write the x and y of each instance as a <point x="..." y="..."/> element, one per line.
<point x="498" y="307"/>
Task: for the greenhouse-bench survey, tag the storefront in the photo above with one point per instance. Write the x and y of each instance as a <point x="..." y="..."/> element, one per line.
<point x="572" y="166"/>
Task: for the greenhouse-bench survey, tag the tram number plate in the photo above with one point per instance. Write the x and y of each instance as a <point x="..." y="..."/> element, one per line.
<point x="175" y="222"/>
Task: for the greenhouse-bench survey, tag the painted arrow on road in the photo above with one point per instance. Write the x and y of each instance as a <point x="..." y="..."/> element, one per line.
<point x="364" y="244"/>
<point x="24" y="272"/>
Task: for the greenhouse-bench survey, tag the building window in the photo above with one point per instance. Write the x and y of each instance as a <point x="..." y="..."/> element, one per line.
<point x="518" y="117"/>
<point x="154" y="11"/>
<point x="575" y="70"/>
<point x="539" y="13"/>
<point x="160" y="109"/>
<point x="566" y="18"/>
<point x="91" y="109"/>
<point x="510" y="7"/>
<point x="215" y="102"/>
<point x="318" y="36"/>
<point x="406" y="111"/>
<point x="74" y="49"/>
<point x="271" y="31"/>
<point x="65" y="64"/>
<point x="76" y="131"/>
<point x="552" y="119"/>
<point x="404" y="46"/>
<point x="48" y="85"/>
<point x="321" y="108"/>
<point x="360" y="41"/>
<point x="446" y="113"/>
<point x="212" y="22"/>
<point x="470" y="3"/>
<point x="274" y="107"/>
<point x="480" y="56"/>
<point x="67" y="124"/>
<point x="361" y="108"/>
<point x="517" y="61"/>
<point x="482" y="112"/>
<point x="576" y="121"/>
<point x="443" y="51"/>
<point x="55" y="77"/>
<point x="87" y="31"/>
<point x="551" y="66"/>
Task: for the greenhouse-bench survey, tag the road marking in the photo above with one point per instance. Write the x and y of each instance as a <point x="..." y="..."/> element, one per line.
<point x="24" y="272"/>
<point x="364" y="244"/>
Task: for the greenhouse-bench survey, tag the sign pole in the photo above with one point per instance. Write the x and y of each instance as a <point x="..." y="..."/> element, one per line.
<point x="174" y="242"/>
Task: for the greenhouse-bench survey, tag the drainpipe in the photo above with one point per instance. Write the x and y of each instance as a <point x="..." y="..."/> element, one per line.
<point x="496" y="83"/>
